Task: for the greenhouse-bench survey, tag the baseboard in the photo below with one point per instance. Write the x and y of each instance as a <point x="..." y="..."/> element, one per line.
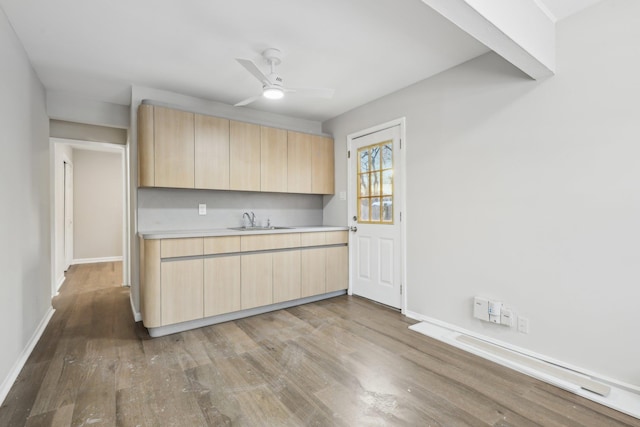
<point x="624" y="397"/>
<point x="95" y="260"/>
<point x="60" y="282"/>
<point x="17" y="367"/>
<point x="137" y="316"/>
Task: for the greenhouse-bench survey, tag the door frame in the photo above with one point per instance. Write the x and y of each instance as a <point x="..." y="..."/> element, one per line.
<point x="96" y="146"/>
<point x="401" y="122"/>
<point x="67" y="202"/>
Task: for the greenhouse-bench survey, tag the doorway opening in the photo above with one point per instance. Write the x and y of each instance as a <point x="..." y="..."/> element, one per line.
<point x="89" y="206"/>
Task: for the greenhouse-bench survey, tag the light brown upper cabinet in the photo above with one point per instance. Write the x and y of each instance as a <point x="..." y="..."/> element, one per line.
<point x="299" y="162"/>
<point x="211" y="152"/>
<point x="179" y="149"/>
<point x="244" y="155"/>
<point x="273" y="159"/>
<point x="322" y="168"/>
<point x="173" y="148"/>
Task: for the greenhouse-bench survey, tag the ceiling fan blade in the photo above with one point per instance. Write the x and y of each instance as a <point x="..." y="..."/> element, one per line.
<point x="314" y="92"/>
<point x="251" y="67"/>
<point x="248" y="101"/>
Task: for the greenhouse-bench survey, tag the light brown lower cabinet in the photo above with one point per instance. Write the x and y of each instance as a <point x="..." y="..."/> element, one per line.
<point x="256" y="280"/>
<point x="181" y="290"/>
<point x="221" y="285"/>
<point x="286" y="276"/>
<point x="313" y="271"/>
<point x="337" y="268"/>
<point x="194" y="278"/>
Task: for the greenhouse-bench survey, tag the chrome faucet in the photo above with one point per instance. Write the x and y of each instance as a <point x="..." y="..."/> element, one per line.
<point x="251" y="218"/>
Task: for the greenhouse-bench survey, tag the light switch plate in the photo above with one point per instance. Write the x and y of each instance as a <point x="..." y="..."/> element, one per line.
<point x="202" y="209"/>
<point x="343" y="195"/>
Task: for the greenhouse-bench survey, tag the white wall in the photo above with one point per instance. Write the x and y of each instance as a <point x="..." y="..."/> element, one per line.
<point x="528" y="192"/>
<point x="25" y="248"/>
<point x="97" y="205"/>
<point x="62" y="153"/>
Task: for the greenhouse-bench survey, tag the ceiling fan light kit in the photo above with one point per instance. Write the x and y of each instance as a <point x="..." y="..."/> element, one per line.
<point x="273" y="93"/>
<point x="272" y="84"/>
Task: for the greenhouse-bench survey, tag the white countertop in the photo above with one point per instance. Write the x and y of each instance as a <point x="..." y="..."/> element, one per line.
<point x="217" y="232"/>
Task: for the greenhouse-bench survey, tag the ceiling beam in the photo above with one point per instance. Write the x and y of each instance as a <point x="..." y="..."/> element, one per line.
<point x="518" y="30"/>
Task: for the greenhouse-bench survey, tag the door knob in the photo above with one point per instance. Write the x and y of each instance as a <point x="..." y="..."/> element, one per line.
<point x="353" y="228"/>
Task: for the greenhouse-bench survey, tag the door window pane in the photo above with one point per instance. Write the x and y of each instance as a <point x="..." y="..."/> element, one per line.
<point x="375" y="209"/>
<point x="387" y="209"/>
<point x="364" y="210"/>
<point x="387" y="156"/>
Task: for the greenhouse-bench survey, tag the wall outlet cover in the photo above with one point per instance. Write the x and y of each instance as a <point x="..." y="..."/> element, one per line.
<point x="481" y="308"/>
<point x="202" y="209"/>
<point x="523" y="325"/>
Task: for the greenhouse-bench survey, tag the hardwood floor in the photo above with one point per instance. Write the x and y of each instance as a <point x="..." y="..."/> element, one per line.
<point x="343" y="362"/>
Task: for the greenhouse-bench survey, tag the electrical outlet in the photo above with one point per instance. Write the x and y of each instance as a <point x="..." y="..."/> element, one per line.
<point x="202" y="209"/>
<point x="523" y="325"/>
<point x="506" y="317"/>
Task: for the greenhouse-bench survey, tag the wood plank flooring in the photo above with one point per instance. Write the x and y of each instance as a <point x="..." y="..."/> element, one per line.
<point x="339" y="362"/>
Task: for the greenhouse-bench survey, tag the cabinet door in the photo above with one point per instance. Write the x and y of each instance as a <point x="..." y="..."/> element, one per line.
<point x="313" y="271"/>
<point x="244" y="155"/>
<point x="211" y="152"/>
<point x="286" y="276"/>
<point x="221" y="285"/>
<point x="181" y="290"/>
<point x="273" y="159"/>
<point x="146" y="159"/>
<point x="256" y="280"/>
<point x="337" y="269"/>
<point x="322" y="174"/>
<point x="173" y="148"/>
<point x="298" y="162"/>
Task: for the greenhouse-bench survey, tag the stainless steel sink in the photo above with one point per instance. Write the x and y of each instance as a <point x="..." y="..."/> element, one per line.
<point x="259" y="228"/>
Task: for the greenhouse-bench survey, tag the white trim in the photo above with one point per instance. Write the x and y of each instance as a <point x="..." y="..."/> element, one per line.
<point x="93" y="260"/>
<point x="22" y="359"/>
<point x="624" y="397"/>
<point x="137" y="316"/>
<point x="402" y="123"/>
<point x="59" y="283"/>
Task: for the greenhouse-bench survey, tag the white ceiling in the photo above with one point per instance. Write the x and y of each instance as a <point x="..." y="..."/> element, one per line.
<point x="363" y="49"/>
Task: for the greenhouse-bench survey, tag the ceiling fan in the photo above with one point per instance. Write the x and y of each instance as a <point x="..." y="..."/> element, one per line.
<point x="272" y="84"/>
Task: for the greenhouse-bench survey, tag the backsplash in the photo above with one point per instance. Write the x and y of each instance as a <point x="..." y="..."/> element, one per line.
<point x="169" y="209"/>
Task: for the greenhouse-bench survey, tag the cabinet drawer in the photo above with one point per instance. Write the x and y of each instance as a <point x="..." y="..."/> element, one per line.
<point x="336" y="237"/>
<point x="221" y="245"/>
<point x="170" y="248"/>
<point x="312" y="239"/>
<point x="269" y="241"/>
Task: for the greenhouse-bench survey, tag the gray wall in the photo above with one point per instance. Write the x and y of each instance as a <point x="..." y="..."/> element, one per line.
<point x="84" y="132"/>
<point x="177" y="209"/>
<point x="97" y="205"/>
<point x="25" y="251"/>
<point x="528" y="192"/>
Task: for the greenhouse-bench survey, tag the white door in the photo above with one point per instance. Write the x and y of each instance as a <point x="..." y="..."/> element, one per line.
<point x="68" y="215"/>
<point x="375" y="189"/>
